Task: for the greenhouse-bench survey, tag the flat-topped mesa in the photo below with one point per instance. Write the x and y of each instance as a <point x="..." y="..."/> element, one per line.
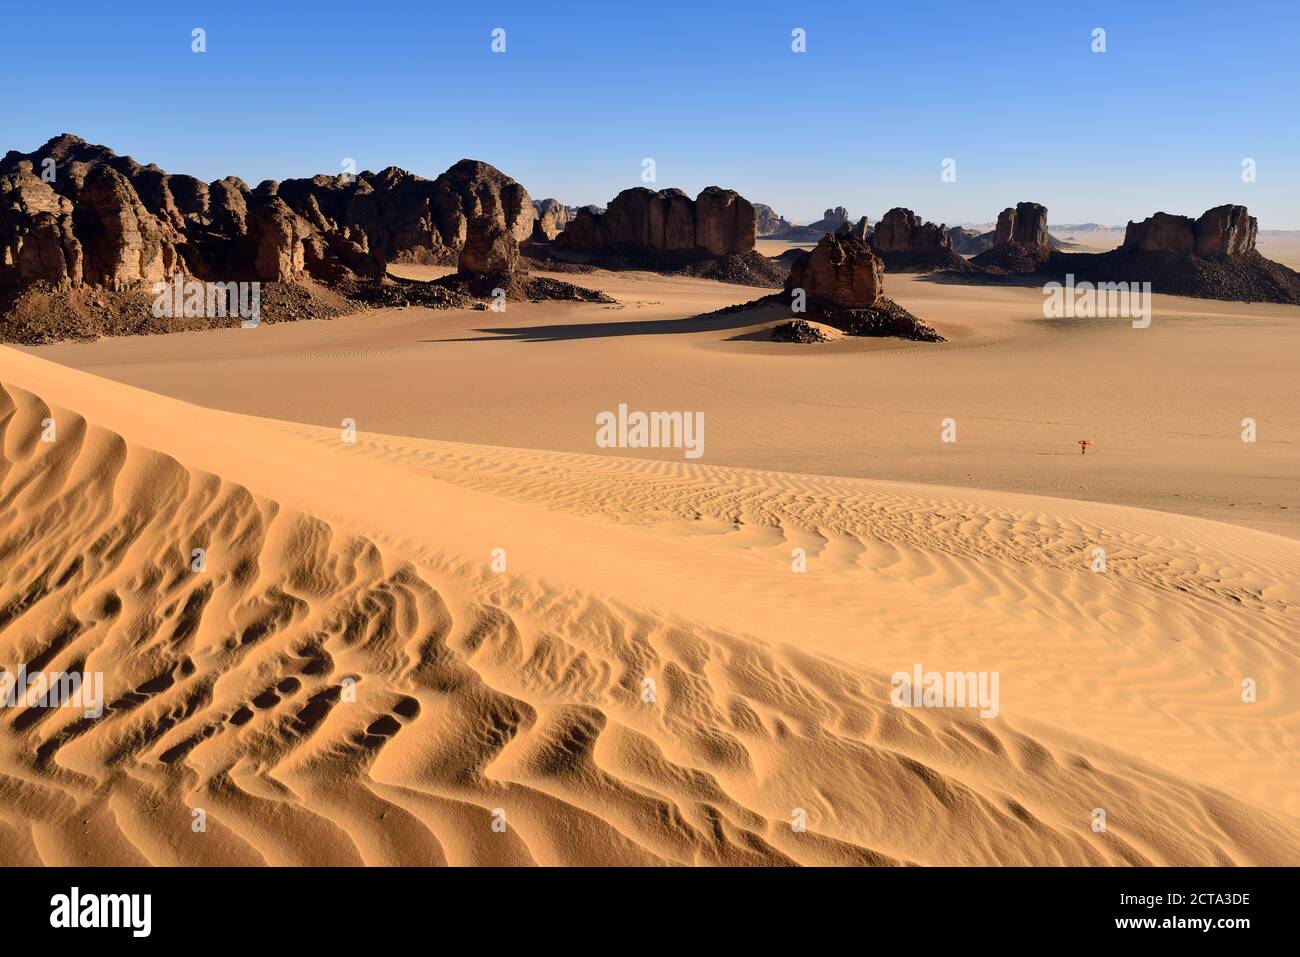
<point x="1221" y="231"/>
<point x="718" y="222"/>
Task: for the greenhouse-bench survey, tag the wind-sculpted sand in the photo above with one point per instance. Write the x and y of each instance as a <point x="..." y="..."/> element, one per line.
<point x="350" y="681"/>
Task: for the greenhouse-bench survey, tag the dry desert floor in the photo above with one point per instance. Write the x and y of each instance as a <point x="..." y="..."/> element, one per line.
<point x="354" y="678"/>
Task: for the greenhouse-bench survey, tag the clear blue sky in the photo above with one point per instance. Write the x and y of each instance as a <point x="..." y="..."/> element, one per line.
<point x="711" y="91"/>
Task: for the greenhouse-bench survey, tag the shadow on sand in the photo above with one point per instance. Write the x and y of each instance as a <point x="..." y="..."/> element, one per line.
<point x="709" y="322"/>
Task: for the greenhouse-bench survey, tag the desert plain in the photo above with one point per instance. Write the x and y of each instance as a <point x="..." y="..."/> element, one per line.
<point x="466" y="634"/>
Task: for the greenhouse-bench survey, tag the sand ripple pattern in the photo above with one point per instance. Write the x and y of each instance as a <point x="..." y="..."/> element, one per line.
<point x="324" y="700"/>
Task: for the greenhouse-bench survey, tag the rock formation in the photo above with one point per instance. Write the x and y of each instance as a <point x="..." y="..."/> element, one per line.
<point x="1025" y="225"/>
<point x="1211" y="257"/>
<point x="1222" y="231"/>
<point x="1020" y="241"/>
<point x="905" y="242"/>
<point x="1226" y="231"/>
<point x="490" y="249"/>
<point x="841" y="283"/>
<point x="860" y="230"/>
<point x="840" y="271"/>
<point x="279" y="235"/>
<point x="718" y="222"/>
<point x="711" y="236"/>
<point x="969" y="242"/>
<point x="901" y="230"/>
<point x="37" y="241"/>
<point x="832" y="219"/>
<point x="137" y="224"/>
<point x="76" y="216"/>
<point x="768" y="222"/>
<point x="552" y="218"/>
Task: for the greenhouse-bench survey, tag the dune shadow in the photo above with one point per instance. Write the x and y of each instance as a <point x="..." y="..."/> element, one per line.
<point x="567" y="332"/>
<point x="1028" y="280"/>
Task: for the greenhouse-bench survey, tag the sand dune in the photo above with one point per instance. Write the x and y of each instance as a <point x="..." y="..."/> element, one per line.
<point x="479" y="693"/>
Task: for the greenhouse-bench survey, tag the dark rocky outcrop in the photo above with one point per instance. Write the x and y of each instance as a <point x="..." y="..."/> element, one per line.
<point x="37" y="240"/>
<point x="840" y="272"/>
<point x="711" y="236"/>
<point x="972" y="242"/>
<point x="800" y="331"/>
<point x="1210" y="257"/>
<point x="1222" y="231"/>
<point x="901" y="230"/>
<point x="842" y="283"/>
<point x="718" y="222"/>
<point x="1020" y="241"/>
<point x="768" y="223"/>
<point x="1025" y="225"/>
<point x="490" y="248"/>
<point x="861" y="230"/>
<point x="969" y="242"/>
<point x="552" y="217"/>
<point x="832" y="219"/>
<point x="278" y="235"/>
<point x="105" y="223"/>
<point x="136" y="224"/>
<point x="906" y="243"/>
<point x="490" y="267"/>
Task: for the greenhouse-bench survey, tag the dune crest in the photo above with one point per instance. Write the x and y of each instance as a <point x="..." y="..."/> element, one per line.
<point x="483" y="699"/>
